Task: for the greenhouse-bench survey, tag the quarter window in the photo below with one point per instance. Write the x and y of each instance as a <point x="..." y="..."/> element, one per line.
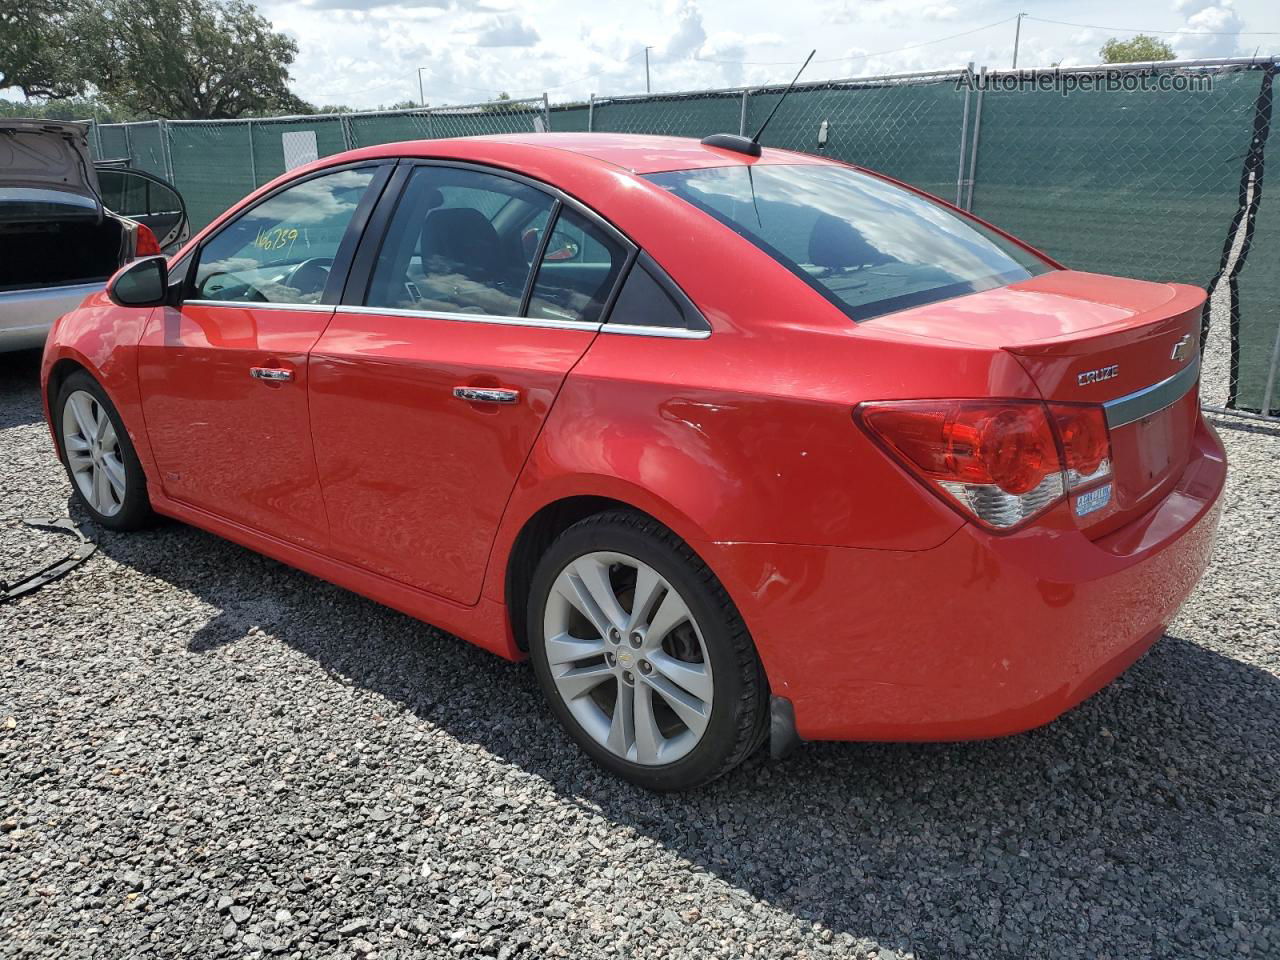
<point x="460" y="241"/>
<point x="649" y="299"/>
<point x="281" y="251"/>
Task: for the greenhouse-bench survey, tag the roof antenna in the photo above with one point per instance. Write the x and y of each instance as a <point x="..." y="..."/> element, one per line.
<point x="751" y="146"/>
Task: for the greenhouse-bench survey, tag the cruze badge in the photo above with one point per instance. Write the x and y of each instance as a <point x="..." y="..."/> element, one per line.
<point x="1097" y="376"/>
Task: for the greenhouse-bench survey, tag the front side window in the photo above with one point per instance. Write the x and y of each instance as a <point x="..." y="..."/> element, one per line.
<point x="866" y="245"/>
<point x="281" y="251"/>
<point x="460" y="241"/>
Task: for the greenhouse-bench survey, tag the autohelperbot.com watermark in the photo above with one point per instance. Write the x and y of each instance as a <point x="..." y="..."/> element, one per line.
<point x="1068" y="82"/>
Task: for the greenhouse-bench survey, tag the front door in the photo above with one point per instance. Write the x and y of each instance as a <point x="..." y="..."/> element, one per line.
<point x="429" y="387"/>
<point x="224" y="376"/>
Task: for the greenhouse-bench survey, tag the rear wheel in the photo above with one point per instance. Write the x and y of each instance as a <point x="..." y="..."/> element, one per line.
<point x="642" y="654"/>
<point x="104" y="469"/>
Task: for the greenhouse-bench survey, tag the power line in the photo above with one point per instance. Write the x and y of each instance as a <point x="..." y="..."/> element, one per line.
<point x="1188" y="33"/>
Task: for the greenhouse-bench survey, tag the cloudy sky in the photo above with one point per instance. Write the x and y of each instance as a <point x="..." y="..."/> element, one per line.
<point x="366" y="53"/>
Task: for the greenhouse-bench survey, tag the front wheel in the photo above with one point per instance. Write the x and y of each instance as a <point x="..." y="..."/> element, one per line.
<point x="642" y="655"/>
<point x="104" y="469"/>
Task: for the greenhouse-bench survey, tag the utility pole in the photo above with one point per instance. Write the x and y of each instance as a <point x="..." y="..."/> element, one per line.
<point x="1017" y="35"/>
<point x="422" y="97"/>
<point x="646" y="69"/>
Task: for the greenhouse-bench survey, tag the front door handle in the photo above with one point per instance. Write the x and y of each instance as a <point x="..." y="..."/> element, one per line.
<point x="487" y="394"/>
<point x="272" y="374"/>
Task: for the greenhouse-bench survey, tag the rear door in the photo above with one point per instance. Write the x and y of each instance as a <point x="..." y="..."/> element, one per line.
<point x="430" y="385"/>
<point x="145" y="199"/>
<point x="223" y="377"/>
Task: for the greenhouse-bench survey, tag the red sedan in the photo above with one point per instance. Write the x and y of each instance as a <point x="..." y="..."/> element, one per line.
<point x="732" y="447"/>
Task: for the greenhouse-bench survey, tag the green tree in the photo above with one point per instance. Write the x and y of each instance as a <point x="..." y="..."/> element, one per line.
<point x="1140" y="49"/>
<point x="187" y="59"/>
<point x="37" y="52"/>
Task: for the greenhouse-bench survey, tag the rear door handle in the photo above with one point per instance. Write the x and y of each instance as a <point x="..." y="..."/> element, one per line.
<point x="487" y="394"/>
<point x="273" y="374"/>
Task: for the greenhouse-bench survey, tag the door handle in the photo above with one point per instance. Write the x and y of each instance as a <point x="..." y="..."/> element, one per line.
<point x="487" y="394"/>
<point x="272" y="374"/>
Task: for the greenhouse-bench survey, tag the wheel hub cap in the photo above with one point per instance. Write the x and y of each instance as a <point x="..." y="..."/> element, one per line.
<point x="93" y="453"/>
<point x="627" y="658"/>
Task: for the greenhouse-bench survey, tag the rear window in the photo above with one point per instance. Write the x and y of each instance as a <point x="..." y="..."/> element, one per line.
<point x="866" y="245"/>
<point x="31" y="203"/>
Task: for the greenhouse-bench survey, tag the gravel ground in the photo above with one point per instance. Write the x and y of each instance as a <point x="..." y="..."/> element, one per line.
<point x="204" y="753"/>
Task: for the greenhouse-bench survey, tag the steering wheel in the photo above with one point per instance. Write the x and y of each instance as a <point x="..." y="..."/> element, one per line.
<point x="310" y="276"/>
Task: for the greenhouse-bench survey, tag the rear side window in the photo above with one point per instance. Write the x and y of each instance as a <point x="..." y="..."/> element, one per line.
<point x="578" y="270"/>
<point x="460" y="241"/>
<point x="866" y="245"/>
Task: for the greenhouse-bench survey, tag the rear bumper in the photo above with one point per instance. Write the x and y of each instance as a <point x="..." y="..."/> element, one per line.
<point x="982" y="636"/>
<point x="27" y="315"/>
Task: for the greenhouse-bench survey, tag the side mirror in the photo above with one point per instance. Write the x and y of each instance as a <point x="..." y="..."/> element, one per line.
<point x="143" y="283"/>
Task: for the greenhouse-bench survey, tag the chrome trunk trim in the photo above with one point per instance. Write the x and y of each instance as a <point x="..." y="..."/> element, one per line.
<point x="1143" y="403"/>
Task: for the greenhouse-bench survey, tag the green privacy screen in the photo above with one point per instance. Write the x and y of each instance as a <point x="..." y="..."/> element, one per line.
<point x="1139" y="182"/>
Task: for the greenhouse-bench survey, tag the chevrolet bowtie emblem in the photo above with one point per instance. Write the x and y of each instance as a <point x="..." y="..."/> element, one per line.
<point x="1181" y="349"/>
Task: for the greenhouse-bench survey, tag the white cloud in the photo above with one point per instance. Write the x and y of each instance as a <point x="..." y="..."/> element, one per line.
<point x="505" y="31"/>
<point x="1212" y="30"/>
<point x="366" y="52"/>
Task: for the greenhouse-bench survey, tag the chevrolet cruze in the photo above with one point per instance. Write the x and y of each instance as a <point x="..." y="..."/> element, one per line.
<point x="734" y="448"/>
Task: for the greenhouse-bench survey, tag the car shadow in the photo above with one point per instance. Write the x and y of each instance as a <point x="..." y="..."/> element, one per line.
<point x="954" y="830"/>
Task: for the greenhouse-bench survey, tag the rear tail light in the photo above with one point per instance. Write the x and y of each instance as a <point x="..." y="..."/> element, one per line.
<point x="1001" y="462"/>
<point x="1086" y="443"/>
<point x="145" y="243"/>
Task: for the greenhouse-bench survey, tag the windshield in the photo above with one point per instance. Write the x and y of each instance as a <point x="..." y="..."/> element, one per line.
<point x="866" y="245"/>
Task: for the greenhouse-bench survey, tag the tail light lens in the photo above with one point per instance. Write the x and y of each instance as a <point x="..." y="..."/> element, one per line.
<point x="1001" y="462"/>
<point x="145" y="243"/>
<point x="1086" y="442"/>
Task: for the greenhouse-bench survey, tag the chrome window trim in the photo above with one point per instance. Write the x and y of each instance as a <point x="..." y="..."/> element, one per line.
<point x="259" y="305"/>
<point x="1143" y="403"/>
<point x="671" y="333"/>
<point x="674" y="333"/>
<point x="473" y="318"/>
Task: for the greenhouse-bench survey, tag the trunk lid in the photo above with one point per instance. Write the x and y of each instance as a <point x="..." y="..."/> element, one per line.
<point x="1129" y="345"/>
<point x="45" y="167"/>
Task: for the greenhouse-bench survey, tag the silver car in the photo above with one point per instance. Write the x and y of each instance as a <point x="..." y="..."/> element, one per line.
<point x="66" y="225"/>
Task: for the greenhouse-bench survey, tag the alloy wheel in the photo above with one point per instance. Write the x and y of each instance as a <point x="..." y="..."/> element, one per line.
<point x="93" y="453"/>
<point x="627" y="657"/>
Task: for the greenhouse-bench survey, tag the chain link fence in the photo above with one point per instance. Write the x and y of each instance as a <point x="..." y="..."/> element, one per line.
<point x="1152" y="171"/>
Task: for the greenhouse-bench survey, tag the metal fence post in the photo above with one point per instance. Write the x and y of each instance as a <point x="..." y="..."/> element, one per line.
<point x="546" y="113"/>
<point x="166" y="150"/>
<point x="973" y="156"/>
<point x="964" y="134"/>
<point x="128" y="143"/>
<point x="253" y="160"/>
<point x="742" y="116"/>
<point x="591" y="112"/>
<point x="1269" y="389"/>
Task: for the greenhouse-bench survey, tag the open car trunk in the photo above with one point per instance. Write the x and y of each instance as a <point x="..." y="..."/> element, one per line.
<point x="57" y="253"/>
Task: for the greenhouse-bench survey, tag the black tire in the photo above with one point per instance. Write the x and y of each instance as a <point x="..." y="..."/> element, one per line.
<point x="135" y="509"/>
<point x="740" y="700"/>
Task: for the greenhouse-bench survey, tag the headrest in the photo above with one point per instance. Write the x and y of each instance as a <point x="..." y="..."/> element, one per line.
<point x="462" y="236"/>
